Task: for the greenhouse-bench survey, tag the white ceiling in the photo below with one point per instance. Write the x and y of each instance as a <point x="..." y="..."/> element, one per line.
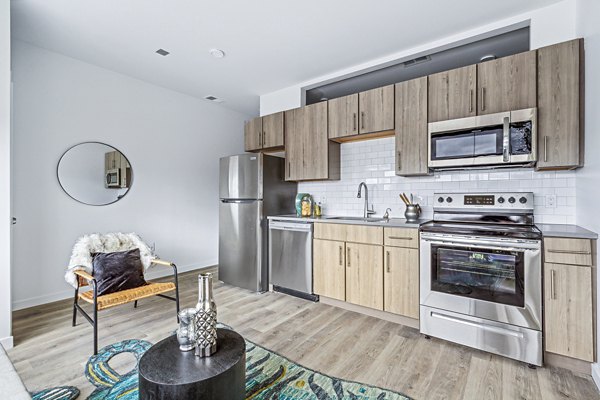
<point x="270" y="44"/>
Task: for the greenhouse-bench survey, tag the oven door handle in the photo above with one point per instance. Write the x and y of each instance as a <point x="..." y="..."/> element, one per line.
<point x="486" y="327"/>
<point x="481" y="246"/>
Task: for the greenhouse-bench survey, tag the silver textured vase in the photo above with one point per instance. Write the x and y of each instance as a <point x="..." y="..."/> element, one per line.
<point x="205" y="319"/>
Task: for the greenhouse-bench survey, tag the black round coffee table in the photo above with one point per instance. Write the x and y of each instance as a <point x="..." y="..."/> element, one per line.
<point x="165" y="372"/>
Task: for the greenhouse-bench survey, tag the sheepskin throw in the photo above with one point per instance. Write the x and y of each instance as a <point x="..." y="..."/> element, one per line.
<point x="81" y="257"/>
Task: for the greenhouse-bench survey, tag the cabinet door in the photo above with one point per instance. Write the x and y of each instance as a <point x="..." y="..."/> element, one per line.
<point x="253" y="134"/>
<point x="376" y="108"/>
<point x="364" y="275"/>
<point x="411" y="127"/>
<point x="568" y="311"/>
<point x="272" y="127"/>
<point x="452" y="94"/>
<point x="508" y="83"/>
<point x="560" y="96"/>
<point x="315" y="142"/>
<point x="401" y="281"/>
<point x="294" y="129"/>
<point x="343" y="116"/>
<point x="329" y="272"/>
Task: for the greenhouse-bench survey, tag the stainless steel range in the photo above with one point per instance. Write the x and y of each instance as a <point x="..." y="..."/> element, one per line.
<point x="481" y="278"/>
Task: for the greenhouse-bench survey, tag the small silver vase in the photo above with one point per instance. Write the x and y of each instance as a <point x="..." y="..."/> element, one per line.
<point x="205" y="319"/>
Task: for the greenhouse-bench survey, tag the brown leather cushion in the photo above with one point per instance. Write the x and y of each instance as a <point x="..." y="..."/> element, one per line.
<point x="118" y="271"/>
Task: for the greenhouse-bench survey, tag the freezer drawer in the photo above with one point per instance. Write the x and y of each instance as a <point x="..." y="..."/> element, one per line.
<point x="511" y="341"/>
<point x="290" y="256"/>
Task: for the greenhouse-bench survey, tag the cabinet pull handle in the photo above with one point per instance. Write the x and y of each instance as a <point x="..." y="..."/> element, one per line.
<point x="552" y="291"/>
<point x="401" y="237"/>
<point x="570" y="252"/>
<point x="263" y="138"/>
<point x="545" y="148"/>
<point x="353" y="122"/>
<point x="341" y="256"/>
<point x="399" y="167"/>
<point x="362" y="120"/>
<point x="482" y="99"/>
<point x="470" y="100"/>
<point x="289" y="168"/>
<point x="348" y="257"/>
<point x="387" y="253"/>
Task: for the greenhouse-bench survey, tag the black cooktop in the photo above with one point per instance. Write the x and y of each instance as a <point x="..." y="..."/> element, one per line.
<point x="470" y="229"/>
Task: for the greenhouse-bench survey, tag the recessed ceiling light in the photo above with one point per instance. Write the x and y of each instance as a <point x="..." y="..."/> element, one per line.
<point x="162" y="52"/>
<point x="213" y="99"/>
<point x="217" y="53"/>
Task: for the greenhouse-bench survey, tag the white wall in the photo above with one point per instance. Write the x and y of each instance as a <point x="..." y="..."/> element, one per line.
<point x="588" y="178"/>
<point x="373" y="162"/>
<point x="5" y="111"/>
<point x="548" y="25"/>
<point x="173" y="142"/>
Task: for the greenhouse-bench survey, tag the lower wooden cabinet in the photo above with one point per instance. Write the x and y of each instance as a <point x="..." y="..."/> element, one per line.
<point x="569" y="321"/>
<point x="364" y="275"/>
<point x="329" y="269"/>
<point x="401" y="281"/>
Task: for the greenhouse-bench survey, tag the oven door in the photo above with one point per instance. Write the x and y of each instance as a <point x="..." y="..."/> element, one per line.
<point x="494" y="279"/>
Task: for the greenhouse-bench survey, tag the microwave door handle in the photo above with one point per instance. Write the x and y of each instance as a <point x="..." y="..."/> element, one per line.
<point x="506" y="140"/>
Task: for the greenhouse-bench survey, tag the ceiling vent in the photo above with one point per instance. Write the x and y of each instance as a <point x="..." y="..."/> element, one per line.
<point x="162" y="52"/>
<point x="213" y="99"/>
<point x="416" y="61"/>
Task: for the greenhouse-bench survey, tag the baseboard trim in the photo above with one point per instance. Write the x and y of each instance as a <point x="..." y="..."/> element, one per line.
<point x="596" y="374"/>
<point x="7" y="342"/>
<point x="153" y="272"/>
<point x="398" y="319"/>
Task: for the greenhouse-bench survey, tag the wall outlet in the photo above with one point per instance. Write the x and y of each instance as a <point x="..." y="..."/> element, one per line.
<point x="551" y="200"/>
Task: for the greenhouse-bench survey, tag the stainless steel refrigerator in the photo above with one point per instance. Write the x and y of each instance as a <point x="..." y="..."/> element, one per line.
<point x="251" y="187"/>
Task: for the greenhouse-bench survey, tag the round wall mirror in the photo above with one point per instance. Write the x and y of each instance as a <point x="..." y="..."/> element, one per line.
<point x="94" y="173"/>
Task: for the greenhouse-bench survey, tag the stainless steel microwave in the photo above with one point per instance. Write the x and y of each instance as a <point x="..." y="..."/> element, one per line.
<point x="113" y="178"/>
<point x="492" y="140"/>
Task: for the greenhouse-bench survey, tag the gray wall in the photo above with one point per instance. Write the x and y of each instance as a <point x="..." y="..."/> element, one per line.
<point x="588" y="178"/>
<point x="5" y="314"/>
<point x="173" y="142"/>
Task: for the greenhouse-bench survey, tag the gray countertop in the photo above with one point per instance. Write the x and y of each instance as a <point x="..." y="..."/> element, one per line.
<point x="548" y="230"/>
<point x="566" y="231"/>
<point x="392" y="222"/>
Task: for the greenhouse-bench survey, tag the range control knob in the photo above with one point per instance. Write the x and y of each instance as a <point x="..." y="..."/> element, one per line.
<point x="440" y="199"/>
<point x="449" y="199"/>
<point x="523" y="200"/>
<point x="511" y="200"/>
<point x="500" y="199"/>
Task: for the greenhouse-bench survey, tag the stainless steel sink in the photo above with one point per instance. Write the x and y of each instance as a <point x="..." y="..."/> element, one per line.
<point x="360" y="219"/>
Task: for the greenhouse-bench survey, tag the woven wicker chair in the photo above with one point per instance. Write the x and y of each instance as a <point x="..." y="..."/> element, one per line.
<point x="123" y="297"/>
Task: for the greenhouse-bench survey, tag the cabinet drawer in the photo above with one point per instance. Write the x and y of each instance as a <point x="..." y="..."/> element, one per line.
<point x="568" y="251"/>
<point x="349" y="233"/>
<point x="402" y="237"/>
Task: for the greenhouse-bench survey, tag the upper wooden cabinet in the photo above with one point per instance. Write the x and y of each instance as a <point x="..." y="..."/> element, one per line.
<point x="309" y="154"/>
<point x="508" y="83"/>
<point x="272" y="127"/>
<point x="253" y="134"/>
<point x="343" y="116"/>
<point x="264" y="132"/>
<point x="376" y="109"/>
<point x="453" y="94"/>
<point x="560" y="105"/>
<point x="411" y="127"/>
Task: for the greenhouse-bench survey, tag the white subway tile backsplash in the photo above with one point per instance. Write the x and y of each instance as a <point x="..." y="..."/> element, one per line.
<point x="373" y="162"/>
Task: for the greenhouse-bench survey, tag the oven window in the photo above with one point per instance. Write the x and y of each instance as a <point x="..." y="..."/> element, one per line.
<point x="483" y="274"/>
<point x="467" y="144"/>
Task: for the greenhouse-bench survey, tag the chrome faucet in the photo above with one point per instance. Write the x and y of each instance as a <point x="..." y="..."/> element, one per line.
<point x="367" y="212"/>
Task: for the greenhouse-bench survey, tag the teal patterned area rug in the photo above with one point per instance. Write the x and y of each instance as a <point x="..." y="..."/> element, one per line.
<point x="268" y="376"/>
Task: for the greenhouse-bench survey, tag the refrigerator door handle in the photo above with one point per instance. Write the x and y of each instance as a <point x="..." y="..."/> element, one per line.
<point x="238" y="201"/>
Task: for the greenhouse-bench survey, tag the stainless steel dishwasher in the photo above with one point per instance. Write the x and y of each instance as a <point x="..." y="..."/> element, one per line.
<point x="290" y="258"/>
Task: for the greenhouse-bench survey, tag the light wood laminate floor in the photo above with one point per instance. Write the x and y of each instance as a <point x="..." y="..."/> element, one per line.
<point x="49" y="352"/>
